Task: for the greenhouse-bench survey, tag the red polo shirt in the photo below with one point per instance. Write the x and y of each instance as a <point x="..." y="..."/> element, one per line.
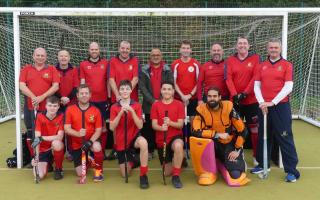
<point x="69" y="79"/>
<point x="38" y="81"/>
<point x="95" y="75"/>
<point x="175" y="111"/>
<point x="48" y="127"/>
<point x="273" y="76"/>
<point x="240" y="76"/>
<point x="127" y="70"/>
<point x="186" y="75"/>
<point x="212" y="74"/>
<point x="156" y="78"/>
<point x="132" y="129"/>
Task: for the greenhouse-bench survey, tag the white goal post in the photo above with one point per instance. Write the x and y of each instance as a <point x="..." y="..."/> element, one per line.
<point x="258" y="23"/>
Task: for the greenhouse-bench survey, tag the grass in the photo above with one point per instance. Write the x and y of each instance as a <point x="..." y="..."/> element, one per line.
<point x="19" y="184"/>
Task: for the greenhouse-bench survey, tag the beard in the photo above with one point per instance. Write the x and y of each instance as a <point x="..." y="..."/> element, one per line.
<point x="213" y="104"/>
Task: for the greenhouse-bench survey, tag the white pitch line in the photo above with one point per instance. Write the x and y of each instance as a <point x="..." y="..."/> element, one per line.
<point x="150" y="169"/>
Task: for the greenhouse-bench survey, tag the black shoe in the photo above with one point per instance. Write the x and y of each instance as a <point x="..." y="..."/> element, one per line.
<point x="50" y="168"/>
<point x="58" y="174"/>
<point x="184" y="163"/>
<point x="112" y="155"/>
<point x="144" y="183"/>
<point x="176" y="182"/>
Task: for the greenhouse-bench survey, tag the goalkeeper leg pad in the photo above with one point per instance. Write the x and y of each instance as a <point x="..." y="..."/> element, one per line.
<point x="242" y="180"/>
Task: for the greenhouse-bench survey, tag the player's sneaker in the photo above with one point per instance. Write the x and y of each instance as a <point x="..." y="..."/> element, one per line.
<point x="176" y="182"/>
<point x="291" y="178"/>
<point x="144" y="183"/>
<point x="58" y="174"/>
<point x="257" y="170"/>
<point x="98" y="176"/>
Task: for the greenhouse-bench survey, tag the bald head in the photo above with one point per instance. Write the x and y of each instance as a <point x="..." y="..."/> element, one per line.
<point x="39" y="56"/>
<point x="94" y="50"/>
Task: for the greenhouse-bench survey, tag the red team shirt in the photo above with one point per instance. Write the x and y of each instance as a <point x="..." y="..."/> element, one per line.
<point x="212" y="74"/>
<point x="132" y="129"/>
<point x="38" y="81"/>
<point x="69" y="80"/>
<point x="74" y="117"/>
<point x="120" y="70"/>
<point x="175" y="111"/>
<point x="156" y="78"/>
<point x="95" y="75"/>
<point x="240" y="76"/>
<point x="273" y="76"/>
<point x="186" y="75"/>
<point x="48" y="127"/>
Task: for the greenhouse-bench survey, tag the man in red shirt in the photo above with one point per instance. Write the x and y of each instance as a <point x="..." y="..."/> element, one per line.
<point x="212" y="74"/>
<point x="272" y="87"/>
<point x="152" y="75"/>
<point x="48" y="139"/>
<point x="129" y="141"/>
<point x="69" y="80"/>
<point x="172" y="124"/>
<point x="240" y="79"/>
<point x="83" y="122"/>
<point x="93" y="72"/>
<point x="124" y="66"/>
<point x="37" y="82"/>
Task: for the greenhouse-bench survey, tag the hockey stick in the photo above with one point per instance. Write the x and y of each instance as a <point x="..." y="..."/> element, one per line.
<point x="125" y="146"/>
<point x="83" y="155"/>
<point x="185" y="132"/>
<point x="164" y="152"/>
<point x="264" y="174"/>
<point x="36" y="150"/>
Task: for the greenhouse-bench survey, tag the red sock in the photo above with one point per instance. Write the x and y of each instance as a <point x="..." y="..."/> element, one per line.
<point x="143" y="170"/>
<point x="58" y="158"/>
<point x="98" y="158"/>
<point x="103" y="139"/>
<point x="254" y="137"/>
<point x="29" y="147"/>
<point x="176" y="171"/>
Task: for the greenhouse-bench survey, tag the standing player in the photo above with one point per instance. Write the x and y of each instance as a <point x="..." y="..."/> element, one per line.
<point x="37" y="82"/>
<point x="69" y="80"/>
<point x="212" y="74"/>
<point x="240" y="79"/>
<point x="49" y="135"/>
<point x="126" y="147"/>
<point x="77" y="116"/>
<point x="172" y="124"/>
<point x="153" y="74"/>
<point x="93" y="72"/>
<point x="124" y="66"/>
<point x="272" y="87"/>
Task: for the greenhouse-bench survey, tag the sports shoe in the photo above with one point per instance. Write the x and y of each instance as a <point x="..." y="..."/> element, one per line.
<point x="176" y="182"/>
<point x="112" y="155"/>
<point x="258" y="170"/>
<point x="144" y="183"/>
<point x="58" y="174"/>
<point x="291" y="178"/>
<point x="98" y="176"/>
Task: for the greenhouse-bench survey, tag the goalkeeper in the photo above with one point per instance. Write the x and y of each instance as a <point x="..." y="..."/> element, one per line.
<point x="218" y="132"/>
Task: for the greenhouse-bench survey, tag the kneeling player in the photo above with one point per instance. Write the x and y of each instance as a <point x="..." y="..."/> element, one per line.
<point x="48" y="140"/>
<point x="217" y="120"/>
<point x="83" y="124"/>
<point x="167" y="120"/>
<point x="126" y="121"/>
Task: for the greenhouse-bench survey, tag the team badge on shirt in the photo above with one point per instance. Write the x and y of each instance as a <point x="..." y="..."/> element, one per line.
<point x="190" y="69"/>
<point x="102" y="66"/>
<point x="89" y="67"/>
<point x="210" y="67"/>
<point x="91" y="118"/>
<point x="56" y="124"/>
<point x="45" y="75"/>
<point x="130" y="67"/>
<point x="264" y="67"/>
<point x="249" y="64"/>
<point x="280" y="68"/>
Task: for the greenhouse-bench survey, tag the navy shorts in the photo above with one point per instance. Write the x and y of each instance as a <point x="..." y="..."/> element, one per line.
<point x="169" y="152"/>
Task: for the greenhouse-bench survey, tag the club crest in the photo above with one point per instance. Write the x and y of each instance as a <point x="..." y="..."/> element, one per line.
<point x="130" y="67"/>
<point x="91" y="118"/>
<point x="191" y="69"/>
<point x="249" y="64"/>
<point x="102" y="66"/>
<point x="45" y="75"/>
<point x="89" y="67"/>
<point x="280" y="68"/>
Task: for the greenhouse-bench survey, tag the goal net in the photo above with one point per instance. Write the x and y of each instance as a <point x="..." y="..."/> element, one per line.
<point x="74" y="31"/>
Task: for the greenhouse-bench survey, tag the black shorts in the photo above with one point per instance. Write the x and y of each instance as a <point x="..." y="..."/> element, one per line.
<point x="102" y="106"/>
<point x="169" y="152"/>
<point x="76" y="155"/>
<point x="191" y="108"/>
<point x="249" y="112"/>
<point x="131" y="153"/>
<point x="46" y="156"/>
